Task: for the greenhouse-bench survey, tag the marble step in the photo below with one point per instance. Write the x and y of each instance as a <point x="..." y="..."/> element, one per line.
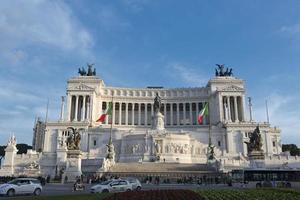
<point x="158" y="167"/>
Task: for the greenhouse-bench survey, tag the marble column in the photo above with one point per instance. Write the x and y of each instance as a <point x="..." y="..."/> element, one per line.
<point x="99" y="111"/>
<point x="266" y="143"/>
<point x="224" y="146"/>
<point x="221" y="107"/>
<point x="139" y="111"/>
<point x="132" y="113"/>
<point x="146" y="113"/>
<point x="191" y="114"/>
<point x="106" y="118"/>
<point x="165" y="113"/>
<point x="177" y="110"/>
<point x="226" y="112"/>
<point x="228" y="108"/>
<point x="87" y="110"/>
<point x="113" y="113"/>
<point x="171" y="114"/>
<point x="120" y="113"/>
<point x="91" y="108"/>
<point x="69" y="106"/>
<point x="126" y="114"/>
<point x="229" y="142"/>
<point x="76" y="107"/>
<point x="184" y="113"/>
<point x="152" y="110"/>
<point x="62" y="108"/>
<point x="197" y="112"/>
<point x="236" y="117"/>
<point x="83" y="108"/>
<point x="243" y="107"/>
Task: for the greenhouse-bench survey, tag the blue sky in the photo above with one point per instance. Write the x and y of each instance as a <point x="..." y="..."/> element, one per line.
<point x="137" y="43"/>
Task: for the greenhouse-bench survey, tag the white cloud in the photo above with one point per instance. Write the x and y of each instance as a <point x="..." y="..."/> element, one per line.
<point x="31" y="32"/>
<point x="187" y="74"/>
<point x="109" y="20"/>
<point x="41" y="22"/>
<point x="293" y="29"/>
<point x="283" y="112"/>
<point x="135" y="5"/>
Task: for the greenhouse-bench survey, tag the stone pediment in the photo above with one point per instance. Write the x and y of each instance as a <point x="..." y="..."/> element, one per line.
<point x="232" y="88"/>
<point x="83" y="87"/>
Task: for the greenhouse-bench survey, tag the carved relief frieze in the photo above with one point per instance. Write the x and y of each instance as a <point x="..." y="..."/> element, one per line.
<point x="231" y="88"/>
<point x="82" y="87"/>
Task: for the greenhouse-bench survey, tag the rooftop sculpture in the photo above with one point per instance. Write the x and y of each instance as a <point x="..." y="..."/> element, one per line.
<point x="222" y="72"/>
<point x="89" y="72"/>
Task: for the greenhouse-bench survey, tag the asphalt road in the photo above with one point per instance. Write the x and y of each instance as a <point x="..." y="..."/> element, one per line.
<point x="62" y="189"/>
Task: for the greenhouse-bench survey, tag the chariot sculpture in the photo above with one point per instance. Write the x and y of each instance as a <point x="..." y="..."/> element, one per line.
<point x="89" y="72"/>
<point x="221" y="71"/>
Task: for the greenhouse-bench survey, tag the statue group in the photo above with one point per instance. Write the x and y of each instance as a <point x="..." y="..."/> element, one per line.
<point x="73" y="141"/>
<point x="222" y="72"/>
<point x="89" y="72"/>
<point x="157" y="103"/>
<point x="255" y="143"/>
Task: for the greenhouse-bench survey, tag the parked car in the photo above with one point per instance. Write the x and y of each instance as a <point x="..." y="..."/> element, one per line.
<point x="21" y="186"/>
<point x="112" y="186"/>
<point x="136" y="184"/>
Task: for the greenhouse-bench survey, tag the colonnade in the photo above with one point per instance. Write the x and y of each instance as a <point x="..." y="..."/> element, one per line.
<point x="140" y="114"/>
<point x="79" y="107"/>
<point x="233" y="108"/>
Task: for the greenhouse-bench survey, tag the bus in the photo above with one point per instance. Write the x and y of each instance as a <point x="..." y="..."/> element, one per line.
<point x="285" y="178"/>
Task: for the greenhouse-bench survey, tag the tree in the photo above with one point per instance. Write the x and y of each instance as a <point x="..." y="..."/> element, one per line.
<point x="22" y="148"/>
<point x="2" y="153"/>
<point x="292" y="148"/>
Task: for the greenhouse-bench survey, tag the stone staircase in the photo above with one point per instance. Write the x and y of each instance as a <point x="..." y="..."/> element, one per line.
<point x="149" y="167"/>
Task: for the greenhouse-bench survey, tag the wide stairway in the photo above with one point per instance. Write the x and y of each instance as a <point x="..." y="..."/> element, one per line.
<point x="148" y="167"/>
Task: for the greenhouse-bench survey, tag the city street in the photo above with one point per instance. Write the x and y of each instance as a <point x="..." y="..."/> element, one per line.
<point x="60" y="189"/>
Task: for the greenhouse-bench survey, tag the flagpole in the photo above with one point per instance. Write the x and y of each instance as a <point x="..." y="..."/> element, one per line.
<point x="110" y="146"/>
<point x="111" y="120"/>
<point x="46" y="117"/>
<point x="209" y="124"/>
<point x="210" y="147"/>
<point x="267" y="111"/>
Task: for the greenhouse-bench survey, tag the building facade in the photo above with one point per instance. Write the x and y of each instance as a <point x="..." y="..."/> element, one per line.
<point x="179" y="140"/>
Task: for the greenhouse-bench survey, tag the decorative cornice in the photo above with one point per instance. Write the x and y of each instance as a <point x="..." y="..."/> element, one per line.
<point x="231" y="88"/>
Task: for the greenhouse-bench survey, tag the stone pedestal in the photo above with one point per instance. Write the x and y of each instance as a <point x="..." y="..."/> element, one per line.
<point x="61" y="155"/>
<point x="73" y="167"/>
<point x="256" y="155"/>
<point x="158" y="121"/>
<point x="8" y="164"/>
<point x="257" y="159"/>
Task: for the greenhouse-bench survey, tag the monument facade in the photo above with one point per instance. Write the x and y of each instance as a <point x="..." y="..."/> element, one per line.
<point x="155" y="124"/>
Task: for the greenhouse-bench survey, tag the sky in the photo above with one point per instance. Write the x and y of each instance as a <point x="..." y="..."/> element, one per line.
<point x="137" y="43"/>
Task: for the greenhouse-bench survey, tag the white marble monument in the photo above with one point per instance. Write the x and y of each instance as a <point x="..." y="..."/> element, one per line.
<point x="165" y="130"/>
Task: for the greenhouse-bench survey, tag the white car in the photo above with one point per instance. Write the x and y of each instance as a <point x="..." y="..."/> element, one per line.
<point x="136" y="184"/>
<point x="21" y="186"/>
<point x="112" y="186"/>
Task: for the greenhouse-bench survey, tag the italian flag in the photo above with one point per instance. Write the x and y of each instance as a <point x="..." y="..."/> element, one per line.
<point x="203" y="113"/>
<point x="108" y="112"/>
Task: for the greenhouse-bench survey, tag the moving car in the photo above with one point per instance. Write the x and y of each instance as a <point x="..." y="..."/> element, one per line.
<point x="136" y="184"/>
<point x="112" y="186"/>
<point x="21" y="186"/>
